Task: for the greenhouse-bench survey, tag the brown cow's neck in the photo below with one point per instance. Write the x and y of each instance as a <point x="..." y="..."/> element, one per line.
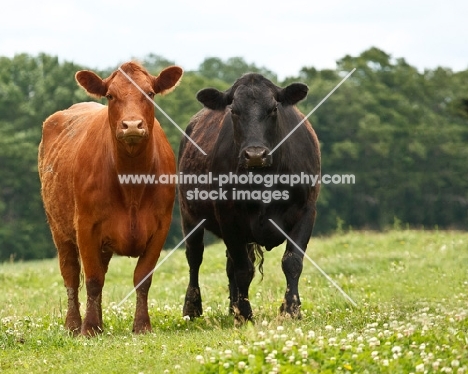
<point x="141" y="162"/>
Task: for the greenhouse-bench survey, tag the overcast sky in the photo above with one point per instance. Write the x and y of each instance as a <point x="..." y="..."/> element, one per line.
<point x="282" y="35"/>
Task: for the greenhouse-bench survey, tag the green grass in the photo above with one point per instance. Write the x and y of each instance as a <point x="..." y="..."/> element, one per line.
<point x="412" y="316"/>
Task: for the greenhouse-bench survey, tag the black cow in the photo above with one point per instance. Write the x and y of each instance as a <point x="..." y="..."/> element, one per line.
<point x="237" y="129"/>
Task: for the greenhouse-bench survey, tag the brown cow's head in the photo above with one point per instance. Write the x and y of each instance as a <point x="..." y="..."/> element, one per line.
<point x="131" y="114"/>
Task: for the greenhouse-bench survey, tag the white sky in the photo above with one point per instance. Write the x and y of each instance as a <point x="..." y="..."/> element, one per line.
<point x="282" y="35"/>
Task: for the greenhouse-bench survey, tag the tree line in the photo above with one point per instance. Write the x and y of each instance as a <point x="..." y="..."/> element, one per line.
<point x="403" y="134"/>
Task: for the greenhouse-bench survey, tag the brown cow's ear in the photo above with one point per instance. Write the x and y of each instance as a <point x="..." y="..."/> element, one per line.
<point x="213" y="98"/>
<point x="92" y="83"/>
<point x="293" y="93"/>
<point x="167" y="80"/>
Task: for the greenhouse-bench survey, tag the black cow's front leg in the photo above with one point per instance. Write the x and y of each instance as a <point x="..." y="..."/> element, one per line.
<point x="292" y="268"/>
<point x="292" y="263"/>
<point x="194" y="253"/>
<point x="240" y="270"/>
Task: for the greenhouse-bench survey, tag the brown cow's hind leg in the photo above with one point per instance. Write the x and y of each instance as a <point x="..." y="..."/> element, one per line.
<point x="70" y="269"/>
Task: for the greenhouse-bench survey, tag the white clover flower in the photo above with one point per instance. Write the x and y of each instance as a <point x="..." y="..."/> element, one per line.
<point x="329" y="328"/>
<point x="200" y="359"/>
<point x="455" y="363"/>
<point x="280" y="328"/>
<point x="186" y="318"/>
<point x="396" y="349"/>
<point x="241" y="365"/>
<point x="420" y="368"/>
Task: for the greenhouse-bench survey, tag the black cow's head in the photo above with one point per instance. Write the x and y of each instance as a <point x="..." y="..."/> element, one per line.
<point x="256" y="107"/>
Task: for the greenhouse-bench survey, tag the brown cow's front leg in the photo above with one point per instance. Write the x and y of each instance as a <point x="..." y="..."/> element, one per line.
<point x="142" y="323"/>
<point x="94" y="268"/>
<point x="144" y="267"/>
<point x="92" y="324"/>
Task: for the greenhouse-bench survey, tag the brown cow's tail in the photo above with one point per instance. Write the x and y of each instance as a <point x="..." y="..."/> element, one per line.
<point x="256" y="255"/>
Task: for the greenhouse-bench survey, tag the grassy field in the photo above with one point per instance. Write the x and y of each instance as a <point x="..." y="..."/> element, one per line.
<point x="412" y="315"/>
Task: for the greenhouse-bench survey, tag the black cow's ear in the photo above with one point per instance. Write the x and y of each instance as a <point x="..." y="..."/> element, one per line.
<point x="212" y="98"/>
<point x="293" y="93"/>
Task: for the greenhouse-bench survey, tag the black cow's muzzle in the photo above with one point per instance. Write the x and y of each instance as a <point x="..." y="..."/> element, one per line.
<point x="256" y="157"/>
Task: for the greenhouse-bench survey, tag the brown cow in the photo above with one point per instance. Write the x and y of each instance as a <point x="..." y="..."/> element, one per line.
<point x="91" y="215"/>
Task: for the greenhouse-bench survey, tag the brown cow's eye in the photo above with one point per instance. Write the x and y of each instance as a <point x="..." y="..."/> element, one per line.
<point x="151" y="94"/>
<point x="109" y="97"/>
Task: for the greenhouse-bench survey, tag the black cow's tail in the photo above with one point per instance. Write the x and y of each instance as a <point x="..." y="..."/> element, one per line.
<point x="256" y="255"/>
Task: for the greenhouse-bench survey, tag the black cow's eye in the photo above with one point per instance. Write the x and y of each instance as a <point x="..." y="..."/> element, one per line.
<point x="274" y="110"/>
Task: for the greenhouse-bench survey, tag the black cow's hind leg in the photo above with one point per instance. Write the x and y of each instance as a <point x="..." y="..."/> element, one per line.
<point x="194" y="253"/>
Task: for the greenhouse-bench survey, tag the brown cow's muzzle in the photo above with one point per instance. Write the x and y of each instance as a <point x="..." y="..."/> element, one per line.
<point x="132" y="132"/>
